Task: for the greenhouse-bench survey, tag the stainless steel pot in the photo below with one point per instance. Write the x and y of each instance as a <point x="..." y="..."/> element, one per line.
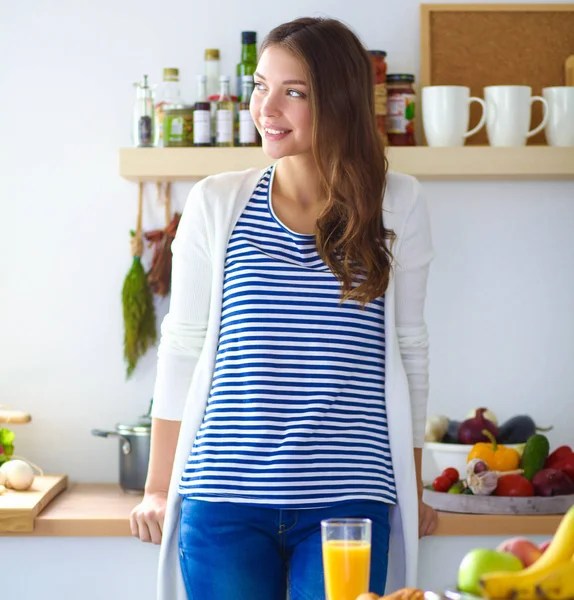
<point x="134" y="453"/>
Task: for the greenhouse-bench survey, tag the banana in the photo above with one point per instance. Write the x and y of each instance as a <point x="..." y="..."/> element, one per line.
<point x="559" y="585"/>
<point x="503" y="585"/>
<point x="555" y="583"/>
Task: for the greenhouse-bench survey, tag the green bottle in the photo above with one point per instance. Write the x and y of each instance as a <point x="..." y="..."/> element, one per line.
<point x="248" y="62"/>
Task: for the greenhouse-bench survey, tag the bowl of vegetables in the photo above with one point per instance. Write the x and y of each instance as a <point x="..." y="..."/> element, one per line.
<point x="448" y="442"/>
<point x="494" y="478"/>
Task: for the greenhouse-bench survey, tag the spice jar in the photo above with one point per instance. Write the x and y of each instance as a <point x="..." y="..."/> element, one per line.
<point x="378" y="58"/>
<point x="401" y="110"/>
<point x="178" y="125"/>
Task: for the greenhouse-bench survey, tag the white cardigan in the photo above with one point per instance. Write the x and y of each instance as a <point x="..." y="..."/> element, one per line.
<point x="190" y="333"/>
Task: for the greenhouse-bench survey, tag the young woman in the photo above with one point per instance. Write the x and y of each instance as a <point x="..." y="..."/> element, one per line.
<point x="293" y="366"/>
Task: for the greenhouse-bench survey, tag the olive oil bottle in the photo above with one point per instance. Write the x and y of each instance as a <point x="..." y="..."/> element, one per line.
<point x="224" y="110"/>
<point x="248" y="62"/>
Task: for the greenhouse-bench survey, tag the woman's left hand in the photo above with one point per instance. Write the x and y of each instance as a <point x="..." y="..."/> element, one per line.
<point x="428" y="519"/>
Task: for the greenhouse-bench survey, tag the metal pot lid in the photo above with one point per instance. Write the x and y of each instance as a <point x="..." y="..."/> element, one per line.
<point x="141" y="427"/>
<point x="134" y="428"/>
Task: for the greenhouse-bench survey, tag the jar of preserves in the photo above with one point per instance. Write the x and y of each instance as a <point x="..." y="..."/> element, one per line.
<point x="378" y="58"/>
<point x="401" y="98"/>
<point x="178" y="125"/>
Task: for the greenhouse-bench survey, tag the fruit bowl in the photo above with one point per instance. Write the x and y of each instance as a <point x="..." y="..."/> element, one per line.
<point x="438" y="456"/>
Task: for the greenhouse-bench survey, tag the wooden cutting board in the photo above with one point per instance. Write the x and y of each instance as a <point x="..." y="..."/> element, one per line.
<point x="19" y="509"/>
<point x="7" y="415"/>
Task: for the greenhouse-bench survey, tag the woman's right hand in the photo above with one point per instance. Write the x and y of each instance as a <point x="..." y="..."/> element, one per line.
<point x="146" y="519"/>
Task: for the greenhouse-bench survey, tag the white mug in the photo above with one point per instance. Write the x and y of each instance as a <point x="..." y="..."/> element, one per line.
<point x="508" y="113"/>
<point x="446" y="112"/>
<point x="560" y="126"/>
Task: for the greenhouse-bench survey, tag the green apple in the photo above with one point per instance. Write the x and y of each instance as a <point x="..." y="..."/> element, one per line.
<point x="481" y="561"/>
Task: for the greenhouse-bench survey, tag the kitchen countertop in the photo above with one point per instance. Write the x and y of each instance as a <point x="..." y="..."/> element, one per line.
<point x="102" y="510"/>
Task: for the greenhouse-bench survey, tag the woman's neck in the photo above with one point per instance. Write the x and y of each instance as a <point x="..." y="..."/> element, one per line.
<point x="297" y="180"/>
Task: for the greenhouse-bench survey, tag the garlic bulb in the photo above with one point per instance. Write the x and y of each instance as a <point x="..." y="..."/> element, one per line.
<point x="18" y="473"/>
<point x="481" y="480"/>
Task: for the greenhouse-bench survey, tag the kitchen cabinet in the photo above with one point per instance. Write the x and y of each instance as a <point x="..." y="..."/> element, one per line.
<point x="82" y="540"/>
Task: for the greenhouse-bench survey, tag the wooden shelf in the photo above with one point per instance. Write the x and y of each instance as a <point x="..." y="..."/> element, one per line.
<point x="103" y="510"/>
<point x="440" y="164"/>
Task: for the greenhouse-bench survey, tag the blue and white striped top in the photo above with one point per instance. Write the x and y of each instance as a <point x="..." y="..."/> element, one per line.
<point x="296" y="415"/>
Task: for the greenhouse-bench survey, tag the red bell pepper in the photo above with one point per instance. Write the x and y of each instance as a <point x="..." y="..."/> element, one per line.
<point x="566" y="465"/>
<point x="557" y="456"/>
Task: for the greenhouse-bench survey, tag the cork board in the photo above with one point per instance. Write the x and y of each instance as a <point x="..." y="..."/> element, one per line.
<point x="477" y="45"/>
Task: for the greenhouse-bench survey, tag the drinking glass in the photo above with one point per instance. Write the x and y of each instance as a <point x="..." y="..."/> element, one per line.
<point x="346" y="545"/>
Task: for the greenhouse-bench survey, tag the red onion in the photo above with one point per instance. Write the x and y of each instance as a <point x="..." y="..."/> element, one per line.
<point x="470" y="431"/>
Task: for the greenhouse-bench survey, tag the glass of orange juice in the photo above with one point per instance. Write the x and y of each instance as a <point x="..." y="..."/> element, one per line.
<point x="346" y="547"/>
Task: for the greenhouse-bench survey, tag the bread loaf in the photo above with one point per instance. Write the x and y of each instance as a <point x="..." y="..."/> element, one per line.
<point x="402" y="594"/>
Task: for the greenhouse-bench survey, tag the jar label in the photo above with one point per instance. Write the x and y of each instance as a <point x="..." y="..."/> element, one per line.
<point x="380" y="99"/>
<point x="401" y="113"/>
<point x="246" y="128"/>
<point x="224" y="124"/>
<point x="176" y="127"/>
<point x="201" y="127"/>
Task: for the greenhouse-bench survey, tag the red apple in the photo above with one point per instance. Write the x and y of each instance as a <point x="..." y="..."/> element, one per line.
<point x="544" y="545"/>
<point x="528" y="552"/>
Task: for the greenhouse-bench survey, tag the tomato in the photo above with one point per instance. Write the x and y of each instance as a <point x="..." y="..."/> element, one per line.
<point x="452" y="474"/>
<point x="514" y="485"/>
<point x="441" y="484"/>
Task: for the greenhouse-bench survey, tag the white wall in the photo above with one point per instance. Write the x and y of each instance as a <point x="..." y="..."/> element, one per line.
<point x="501" y="293"/>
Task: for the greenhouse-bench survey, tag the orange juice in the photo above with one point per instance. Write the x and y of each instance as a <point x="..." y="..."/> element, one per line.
<point x="347" y="567"/>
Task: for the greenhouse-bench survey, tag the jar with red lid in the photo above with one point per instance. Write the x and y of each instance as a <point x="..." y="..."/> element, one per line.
<point x="378" y="59"/>
<point x="401" y="98"/>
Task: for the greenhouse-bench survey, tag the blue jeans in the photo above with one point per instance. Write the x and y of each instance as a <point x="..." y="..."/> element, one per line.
<point x="246" y="552"/>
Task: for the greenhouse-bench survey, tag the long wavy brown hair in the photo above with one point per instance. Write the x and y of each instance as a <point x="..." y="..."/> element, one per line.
<point x="348" y="150"/>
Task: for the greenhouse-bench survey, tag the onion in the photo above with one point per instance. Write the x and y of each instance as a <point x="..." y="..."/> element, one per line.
<point x="2" y="477"/>
<point x="470" y="431"/>
<point x="488" y="414"/>
<point x="19" y="474"/>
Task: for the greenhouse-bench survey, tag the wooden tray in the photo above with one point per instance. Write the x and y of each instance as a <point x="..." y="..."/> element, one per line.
<point x="497" y="505"/>
<point x="19" y="509"/>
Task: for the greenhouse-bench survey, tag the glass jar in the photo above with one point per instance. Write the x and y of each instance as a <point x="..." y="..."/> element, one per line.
<point x="178" y="125"/>
<point x="378" y="58"/>
<point x="401" y="110"/>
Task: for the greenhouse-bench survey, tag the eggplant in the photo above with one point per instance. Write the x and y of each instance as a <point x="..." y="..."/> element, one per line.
<point x="518" y="429"/>
<point x="451" y="435"/>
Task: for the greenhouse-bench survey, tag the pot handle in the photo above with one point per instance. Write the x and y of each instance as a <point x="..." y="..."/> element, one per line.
<point x="126" y="446"/>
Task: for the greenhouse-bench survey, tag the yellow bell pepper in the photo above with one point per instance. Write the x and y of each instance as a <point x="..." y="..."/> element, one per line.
<point x="497" y="457"/>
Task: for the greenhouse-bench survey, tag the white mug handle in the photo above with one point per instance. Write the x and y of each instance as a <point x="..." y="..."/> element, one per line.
<point x="544" y="116"/>
<point x="482" y="118"/>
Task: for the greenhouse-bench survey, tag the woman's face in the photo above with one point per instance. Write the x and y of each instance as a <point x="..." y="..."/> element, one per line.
<point x="280" y="104"/>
